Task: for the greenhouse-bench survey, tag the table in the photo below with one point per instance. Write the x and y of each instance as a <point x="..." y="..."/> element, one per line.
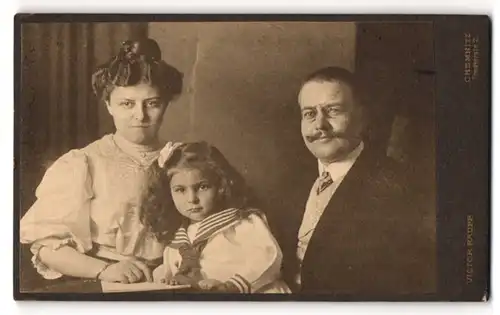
<point x="80" y="286"/>
<point x="90" y="286"/>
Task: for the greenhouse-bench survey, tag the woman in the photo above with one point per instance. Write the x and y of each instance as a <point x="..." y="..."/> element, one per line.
<point x="85" y="222"/>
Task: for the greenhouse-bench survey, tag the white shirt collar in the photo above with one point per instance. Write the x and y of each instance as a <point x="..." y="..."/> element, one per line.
<point x="339" y="169"/>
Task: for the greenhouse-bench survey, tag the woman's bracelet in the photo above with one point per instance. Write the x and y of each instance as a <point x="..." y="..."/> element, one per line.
<point x="101" y="271"/>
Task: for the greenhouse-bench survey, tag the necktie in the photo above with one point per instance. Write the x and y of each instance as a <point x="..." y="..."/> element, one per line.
<point x="190" y="269"/>
<point x="324" y="181"/>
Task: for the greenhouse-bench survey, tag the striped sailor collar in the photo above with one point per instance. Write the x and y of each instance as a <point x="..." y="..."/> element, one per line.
<point x="209" y="226"/>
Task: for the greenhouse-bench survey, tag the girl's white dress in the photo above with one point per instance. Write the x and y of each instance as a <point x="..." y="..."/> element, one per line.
<point x="239" y="248"/>
<point x="89" y="199"/>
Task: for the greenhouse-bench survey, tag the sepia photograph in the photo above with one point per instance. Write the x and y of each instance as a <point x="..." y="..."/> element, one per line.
<point x="281" y="159"/>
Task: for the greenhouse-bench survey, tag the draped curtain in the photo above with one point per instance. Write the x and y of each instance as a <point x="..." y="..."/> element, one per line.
<point x="57" y="108"/>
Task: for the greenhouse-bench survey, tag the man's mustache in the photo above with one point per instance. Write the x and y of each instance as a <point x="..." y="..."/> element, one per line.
<point x="330" y="135"/>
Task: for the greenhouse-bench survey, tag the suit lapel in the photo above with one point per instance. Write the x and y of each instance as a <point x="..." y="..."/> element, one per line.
<point x="341" y="206"/>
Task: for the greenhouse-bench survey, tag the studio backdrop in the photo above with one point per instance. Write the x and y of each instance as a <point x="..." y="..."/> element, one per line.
<point x="240" y="92"/>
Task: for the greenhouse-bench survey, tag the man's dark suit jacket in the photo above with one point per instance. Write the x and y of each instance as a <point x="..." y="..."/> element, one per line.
<point x="370" y="242"/>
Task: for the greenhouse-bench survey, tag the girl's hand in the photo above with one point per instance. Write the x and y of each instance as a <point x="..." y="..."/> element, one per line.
<point x="183" y="279"/>
<point x="208" y="284"/>
<point x="170" y="282"/>
<point x="159" y="274"/>
<point x="126" y="271"/>
<point x="226" y="287"/>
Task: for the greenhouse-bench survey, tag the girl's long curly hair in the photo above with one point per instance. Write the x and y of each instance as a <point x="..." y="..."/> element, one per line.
<point x="159" y="214"/>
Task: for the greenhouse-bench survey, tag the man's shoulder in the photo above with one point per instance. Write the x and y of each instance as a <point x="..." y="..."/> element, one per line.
<point x="387" y="175"/>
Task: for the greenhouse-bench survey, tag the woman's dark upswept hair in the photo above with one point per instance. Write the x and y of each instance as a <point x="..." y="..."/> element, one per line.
<point x="138" y="61"/>
<point x="159" y="214"/>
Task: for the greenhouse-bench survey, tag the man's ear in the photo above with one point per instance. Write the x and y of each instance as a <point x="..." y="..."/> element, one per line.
<point x="361" y="115"/>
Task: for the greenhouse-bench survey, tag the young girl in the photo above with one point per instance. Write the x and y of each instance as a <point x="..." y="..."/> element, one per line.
<point x="215" y="241"/>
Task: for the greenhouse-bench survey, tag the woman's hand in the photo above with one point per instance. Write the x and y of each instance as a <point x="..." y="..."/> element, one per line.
<point x="126" y="271"/>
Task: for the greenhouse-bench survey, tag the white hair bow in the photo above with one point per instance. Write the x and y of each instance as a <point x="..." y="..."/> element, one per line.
<point x="166" y="152"/>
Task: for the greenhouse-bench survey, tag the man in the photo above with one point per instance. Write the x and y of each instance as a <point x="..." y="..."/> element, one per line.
<point x="359" y="234"/>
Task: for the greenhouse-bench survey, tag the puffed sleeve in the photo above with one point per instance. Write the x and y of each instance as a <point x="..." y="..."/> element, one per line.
<point x="61" y="214"/>
<point x="262" y="254"/>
